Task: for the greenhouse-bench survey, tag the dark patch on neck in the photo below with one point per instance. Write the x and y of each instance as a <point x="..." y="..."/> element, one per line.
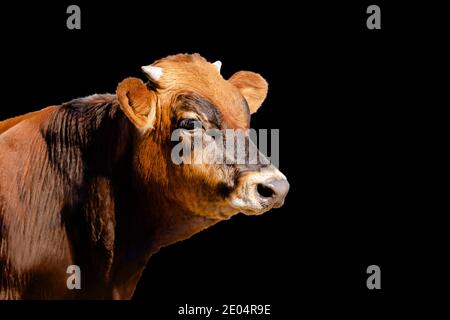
<point x="89" y="144"/>
<point x="85" y="137"/>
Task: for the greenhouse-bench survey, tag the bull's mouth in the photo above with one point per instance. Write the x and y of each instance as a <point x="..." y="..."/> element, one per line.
<point x="253" y="206"/>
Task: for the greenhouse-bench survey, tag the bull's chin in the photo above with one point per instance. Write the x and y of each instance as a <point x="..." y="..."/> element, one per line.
<point x="220" y="213"/>
<point x="235" y="205"/>
<point x="250" y="207"/>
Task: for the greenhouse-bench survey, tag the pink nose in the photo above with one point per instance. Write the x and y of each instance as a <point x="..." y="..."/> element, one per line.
<point x="273" y="190"/>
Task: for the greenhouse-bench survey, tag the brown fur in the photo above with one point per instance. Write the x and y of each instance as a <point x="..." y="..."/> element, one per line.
<point x="91" y="183"/>
<point x="6" y="124"/>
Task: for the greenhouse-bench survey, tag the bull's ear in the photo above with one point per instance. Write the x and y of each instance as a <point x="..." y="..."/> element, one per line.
<point x="137" y="102"/>
<point x="252" y="86"/>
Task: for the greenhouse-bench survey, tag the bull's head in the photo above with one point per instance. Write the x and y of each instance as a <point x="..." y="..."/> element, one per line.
<point x="188" y="93"/>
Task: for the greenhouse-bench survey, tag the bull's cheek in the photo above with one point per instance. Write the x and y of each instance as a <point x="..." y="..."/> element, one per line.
<point x="199" y="176"/>
<point x="199" y="190"/>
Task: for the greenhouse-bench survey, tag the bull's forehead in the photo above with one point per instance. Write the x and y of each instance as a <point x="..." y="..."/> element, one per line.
<point x="184" y="74"/>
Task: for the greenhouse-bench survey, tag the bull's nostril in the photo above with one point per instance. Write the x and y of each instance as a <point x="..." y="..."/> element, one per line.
<point x="265" y="191"/>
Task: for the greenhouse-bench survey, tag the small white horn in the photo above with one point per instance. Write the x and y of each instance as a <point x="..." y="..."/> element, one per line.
<point x="152" y="72"/>
<point x="218" y="64"/>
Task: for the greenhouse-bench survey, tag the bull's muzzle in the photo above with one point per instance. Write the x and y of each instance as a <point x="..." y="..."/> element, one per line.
<point x="275" y="190"/>
<point x="261" y="191"/>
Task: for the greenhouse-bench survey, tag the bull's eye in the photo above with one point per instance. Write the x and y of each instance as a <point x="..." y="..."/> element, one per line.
<point x="189" y="124"/>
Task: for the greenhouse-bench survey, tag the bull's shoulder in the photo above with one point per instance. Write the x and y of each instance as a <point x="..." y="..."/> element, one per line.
<point x="9" y="123"/>
<point x="80" y="105"/>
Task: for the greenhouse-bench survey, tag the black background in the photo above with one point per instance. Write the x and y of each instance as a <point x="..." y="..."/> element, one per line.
<point x="340" y="95"/>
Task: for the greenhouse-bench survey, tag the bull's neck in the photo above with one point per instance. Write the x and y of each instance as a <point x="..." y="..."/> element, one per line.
<point x="176" y="224"/>
<point x="165" y="222"/>
<point x="146" y="220"/>
<point x="159" y="217"/>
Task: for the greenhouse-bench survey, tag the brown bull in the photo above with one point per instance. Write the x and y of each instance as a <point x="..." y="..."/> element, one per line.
<point x="91" y="182"/>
